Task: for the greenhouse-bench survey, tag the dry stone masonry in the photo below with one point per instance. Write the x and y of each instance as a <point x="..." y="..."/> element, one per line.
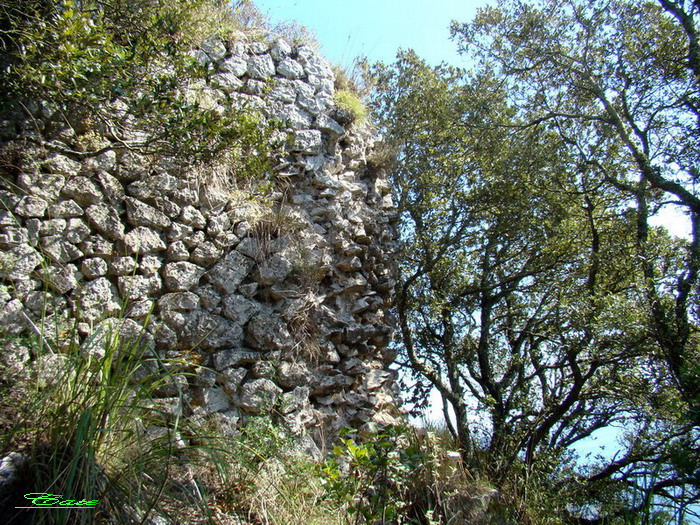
<point x="279" y="301"/>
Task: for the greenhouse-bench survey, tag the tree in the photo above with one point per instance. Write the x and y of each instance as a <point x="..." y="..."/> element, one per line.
<point x="519" y="296"/>
<point x="618" y="81"/>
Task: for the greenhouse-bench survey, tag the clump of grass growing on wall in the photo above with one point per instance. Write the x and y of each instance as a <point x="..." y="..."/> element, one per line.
<point x="351" y="103"/>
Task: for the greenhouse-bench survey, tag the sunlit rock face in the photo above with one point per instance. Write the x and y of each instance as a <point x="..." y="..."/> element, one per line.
<point x="280" y="300"/>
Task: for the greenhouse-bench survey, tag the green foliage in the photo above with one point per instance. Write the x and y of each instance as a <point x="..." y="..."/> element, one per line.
<point x="350" y="102"/>
<point x="533" y="291"/>
<point x="371" y="477"/>
<point x="125" y="69"/>
<point x="82" y="422"/>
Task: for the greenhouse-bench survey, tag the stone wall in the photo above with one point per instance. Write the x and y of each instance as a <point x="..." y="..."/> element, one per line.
<point x="281" y="298"/>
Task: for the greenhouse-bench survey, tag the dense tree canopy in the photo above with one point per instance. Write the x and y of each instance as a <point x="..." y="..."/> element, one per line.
<point x="535" y="294"/>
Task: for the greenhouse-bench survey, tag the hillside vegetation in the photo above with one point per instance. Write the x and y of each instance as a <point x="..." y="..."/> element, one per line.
<point x="535" y="293"/>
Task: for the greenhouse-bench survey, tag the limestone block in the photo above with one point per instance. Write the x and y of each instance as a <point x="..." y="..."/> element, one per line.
<point x="7" y="218"/>
<point x="257" y="47"/>
<point x="60" y="250"/>
<point x="293" y="116"/>
<point x="291" y="375"/>
<point x="290" y="69"/>
<point x="259" y="396"/>
<point x="96" y="299"/>
<point x="354" y="366"/>
<point x="314" y="64"/>
<point x="374" y="379"/>
<point x="227" y="274"/>
<point x="11" y="319"/>
<point x="330" y="384"/>
<point x="43" y="185"/>
<point x="178" y="232"/>
<point x="61" y="278"/>
<point x="153" y="187"/>
<point x="182" y="276"/>
<point x="208" y="296"/>
<point x="165" y="336"/>
<point x="234" y="357"/>
<point x="297" y="399"/>
<point x="94" y="267"/>
<point x="239" y="309"/>
<point x="62" y="165"/>
<point x="330" y="126"/>
<point x="142" y="240"/>
<point x="263" y="369"/>
<point x="235" y="65"/>
<point x="227" y="81"/>
<point x="8" y="200"/>
<point x="309" y="103"/>
<point x="214" y="48"/>
<point x="141" y="214"/>
<point x="280" y="50"/>
<point x="234" y="377"/>
<point x="135" y="287"/>
<point x="168" y="207"/>
<point x="273" y="270"/>
<point x="261" y="67"/>
<point x="82" y="190"/>
<point x="206" y="253"/>
<point x="297" y="422"/>
<point x="197" y="238"/>
<point x="350" y="264"/>
<point x="308" y="141"/>
<point x="227" y="421"/>
<point x="184" y="301"/>
<point x="267" y="331"/>
<point x="96" y="246"/>
<point x="76" y="230"/>
<point x="177" y="251"/>
<point x="105" y="161"/>
<point x="255" y="87"/>
<point x="211" y="332"/>
<point x="283" y="92"/>
<point x="52" y="227"/>
<point x="248" y="290"/>
<point x="215" y="400"/>
<point x="175" y="320"/>
<point x="105" y="220"/>
<point x="225" y="241"/>
<point x="193" y="217"/>
<point x="13" y="236"/>
<point x="122" y="266"/>
<point x="200" y="56"/>
<point x="139" y="309"/>
<point x="31" y="206"/>
<point x="150" y="264"/>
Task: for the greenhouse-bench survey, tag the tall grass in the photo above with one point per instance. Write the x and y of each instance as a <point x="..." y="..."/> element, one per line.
<point x="85" y="421"/>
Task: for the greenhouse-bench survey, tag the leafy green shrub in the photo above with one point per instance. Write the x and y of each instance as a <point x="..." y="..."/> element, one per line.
<point x="125" y="67"/>
<point x="374" y="477"/>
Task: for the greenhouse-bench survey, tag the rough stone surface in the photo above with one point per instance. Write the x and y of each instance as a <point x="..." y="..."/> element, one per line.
<point x="281" y="300"/>
<point x="142" y="240"/>
<point x="230" y="272"/>
<point x="182" y="276"/>
<point x="259" y="396"/>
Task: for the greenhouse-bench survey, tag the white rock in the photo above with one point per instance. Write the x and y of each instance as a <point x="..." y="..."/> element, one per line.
<point x="261" y="67"/>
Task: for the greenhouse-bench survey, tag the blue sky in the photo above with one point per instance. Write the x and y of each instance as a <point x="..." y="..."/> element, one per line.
<point x="377" y="28"/>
